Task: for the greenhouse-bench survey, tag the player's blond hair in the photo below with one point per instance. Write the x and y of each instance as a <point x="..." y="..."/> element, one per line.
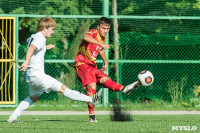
<point x="45" y="22"/>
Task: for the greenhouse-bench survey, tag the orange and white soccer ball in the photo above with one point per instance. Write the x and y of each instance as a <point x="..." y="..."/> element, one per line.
<point x="145" y="78"/>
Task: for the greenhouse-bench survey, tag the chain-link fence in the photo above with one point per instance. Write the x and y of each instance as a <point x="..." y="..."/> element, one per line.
<point x="152" y="36"/>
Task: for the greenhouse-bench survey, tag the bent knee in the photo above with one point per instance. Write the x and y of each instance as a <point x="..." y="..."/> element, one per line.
<point x="35" y="98"/>
<point x="103" y="80"/>
<point x="91" y="86"/>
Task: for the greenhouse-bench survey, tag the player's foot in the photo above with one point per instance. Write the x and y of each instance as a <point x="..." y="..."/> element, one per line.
<point x="129" y="88"/>
<point x="96" y="97"/>
<point x="13" y="119"/>
<point x="92" y="118"/>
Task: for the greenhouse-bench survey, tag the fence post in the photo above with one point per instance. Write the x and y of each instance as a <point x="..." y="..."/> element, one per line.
<point x="106" y="14"/>
<point x="17" y="59"/>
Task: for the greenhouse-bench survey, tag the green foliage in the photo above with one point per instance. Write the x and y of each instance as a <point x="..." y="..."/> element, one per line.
<point x="64" y="32"/>
<point x="19" y="10"/>
<point x="176" y="90"/>
<point x="197" y="5"/>
<point x="130" y="8"/>
<point x="180" y="7"/>
<point x="1" y="11"/>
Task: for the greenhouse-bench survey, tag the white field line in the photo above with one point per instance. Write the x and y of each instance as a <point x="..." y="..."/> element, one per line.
<point x="103" y="112"/>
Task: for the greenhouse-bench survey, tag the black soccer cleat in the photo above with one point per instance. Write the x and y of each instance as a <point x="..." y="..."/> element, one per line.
<point x="92" y="118"/>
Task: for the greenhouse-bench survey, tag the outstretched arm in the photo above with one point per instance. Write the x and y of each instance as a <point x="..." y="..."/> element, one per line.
<point x="29" y="54"/>
<point x="90" y="39"/>
<point x="103" y="56"/>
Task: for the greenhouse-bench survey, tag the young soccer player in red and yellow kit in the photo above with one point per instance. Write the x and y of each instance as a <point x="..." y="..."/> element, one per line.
<point x="85" y="65"/>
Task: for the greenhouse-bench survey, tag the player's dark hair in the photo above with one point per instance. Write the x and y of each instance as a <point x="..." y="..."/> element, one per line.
<point x="45" y="22"/>
<point x="104" y="21"/>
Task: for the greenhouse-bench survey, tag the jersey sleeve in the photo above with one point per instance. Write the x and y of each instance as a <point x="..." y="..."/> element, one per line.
<point x="92" y="33"/>
<point x="39" y="43"/>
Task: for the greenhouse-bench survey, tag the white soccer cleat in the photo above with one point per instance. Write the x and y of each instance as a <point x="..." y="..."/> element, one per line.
<point x="96" y="97"/>
<point x="129" y="88"/>
<point x="13" y="119"/>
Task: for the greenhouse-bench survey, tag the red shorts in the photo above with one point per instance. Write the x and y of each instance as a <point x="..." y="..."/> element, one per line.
<point x="89" y="74"/>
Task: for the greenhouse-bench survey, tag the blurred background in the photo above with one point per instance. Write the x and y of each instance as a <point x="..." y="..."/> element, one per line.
<point x="161" y="36"/>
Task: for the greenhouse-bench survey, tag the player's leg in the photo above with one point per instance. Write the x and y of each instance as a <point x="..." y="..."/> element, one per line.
<point x="55" y="85"/>
<point x="87" y="75"/>
<point x="110" y="84"/>
<point x="114" y="86"/>
<point x="23" y="106"/>
<point x="91" y="90"/>
<point x="35" y="90"/>
<point x="75" y="95"/>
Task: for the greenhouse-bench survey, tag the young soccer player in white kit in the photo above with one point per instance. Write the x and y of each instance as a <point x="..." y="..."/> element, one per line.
<point x="36" y="78"/>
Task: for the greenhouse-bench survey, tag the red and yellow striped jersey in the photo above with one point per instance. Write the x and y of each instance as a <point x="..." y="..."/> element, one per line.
<point x="88" y="52"/>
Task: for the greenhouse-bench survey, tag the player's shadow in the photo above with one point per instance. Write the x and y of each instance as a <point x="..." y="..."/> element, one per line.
<point x="3" y="121"/>
<point x="118" y="113"/>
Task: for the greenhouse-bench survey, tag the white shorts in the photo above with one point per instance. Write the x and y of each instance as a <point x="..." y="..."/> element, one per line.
<point x="39" y="82"/>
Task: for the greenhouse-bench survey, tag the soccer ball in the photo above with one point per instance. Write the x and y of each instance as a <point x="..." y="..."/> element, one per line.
<point x="145" y="78"/>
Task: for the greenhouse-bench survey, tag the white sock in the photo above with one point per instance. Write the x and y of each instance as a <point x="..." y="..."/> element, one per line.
<point x="75" y="95"/>
<point x="23" y="106"/>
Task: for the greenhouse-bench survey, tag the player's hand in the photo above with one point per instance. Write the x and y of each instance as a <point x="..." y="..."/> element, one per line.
<point x="104" y="46"/>
<point x="104" y="68"/>
<point x="24" y="66"/>
<point x="50" y="46"/>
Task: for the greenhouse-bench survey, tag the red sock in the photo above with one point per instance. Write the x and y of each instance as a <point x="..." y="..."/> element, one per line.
<point x="91" y="92"/>
<point x="113" y="86"/>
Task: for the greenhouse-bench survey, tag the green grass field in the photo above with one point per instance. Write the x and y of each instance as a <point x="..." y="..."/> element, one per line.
<point x="80" y="124"/>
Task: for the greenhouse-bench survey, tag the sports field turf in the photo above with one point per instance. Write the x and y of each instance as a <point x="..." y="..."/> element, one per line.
<point x="80" y="124"/>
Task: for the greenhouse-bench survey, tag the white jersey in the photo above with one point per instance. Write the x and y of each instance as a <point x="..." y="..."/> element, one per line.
<point x="37" y="59"/>
<point x="36" y="78"/>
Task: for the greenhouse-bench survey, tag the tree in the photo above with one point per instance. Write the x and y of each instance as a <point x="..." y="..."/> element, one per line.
<point x="116" y="38"/>
<point x="68" y="32"/>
